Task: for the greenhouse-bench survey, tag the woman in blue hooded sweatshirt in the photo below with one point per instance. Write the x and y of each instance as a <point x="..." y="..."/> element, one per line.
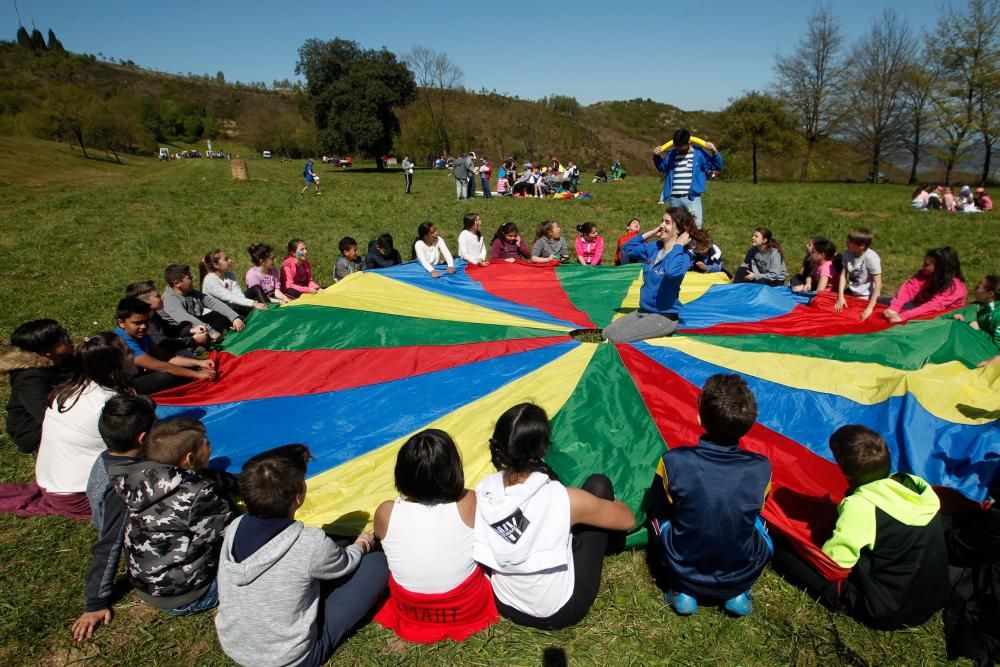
<point x="664" y="265"/>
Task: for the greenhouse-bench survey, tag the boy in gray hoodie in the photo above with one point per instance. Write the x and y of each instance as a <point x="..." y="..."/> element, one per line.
<point x="288" y="594"/>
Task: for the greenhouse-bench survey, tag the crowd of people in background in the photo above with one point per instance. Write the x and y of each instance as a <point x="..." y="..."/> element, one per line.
<point x="942" y="198"/>
<point x="512" y="180"/>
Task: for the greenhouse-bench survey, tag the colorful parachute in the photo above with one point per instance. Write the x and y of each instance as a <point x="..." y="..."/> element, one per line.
<point x="357" y="369"/>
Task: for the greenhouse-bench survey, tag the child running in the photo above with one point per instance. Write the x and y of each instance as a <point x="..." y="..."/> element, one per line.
<point x="430" y="250"/>
<point x="937" y="286"/>
<point x="288" y="594"/>
<point x="765" y="261"/>
<point x="436" y="589"/>
<point x="589" y="245"/>
<point x="296" y="272"/>
<point x="471" y="246"/>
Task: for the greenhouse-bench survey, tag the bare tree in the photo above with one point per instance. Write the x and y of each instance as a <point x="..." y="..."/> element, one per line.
<point x="917" y="85"/>
<point x="811" y="81"/>
<point x="965" y="65"/>
<point x="436" y="78"/>
<point x="878" y="65"/>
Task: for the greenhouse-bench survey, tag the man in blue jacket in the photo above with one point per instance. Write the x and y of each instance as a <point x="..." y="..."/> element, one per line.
<point x="686" y="167"/>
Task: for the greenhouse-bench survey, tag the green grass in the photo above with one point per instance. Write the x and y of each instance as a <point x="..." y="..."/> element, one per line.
<point x="73" y="232"/>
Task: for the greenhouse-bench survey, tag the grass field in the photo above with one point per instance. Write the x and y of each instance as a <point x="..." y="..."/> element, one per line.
<point x="73" y="232"/>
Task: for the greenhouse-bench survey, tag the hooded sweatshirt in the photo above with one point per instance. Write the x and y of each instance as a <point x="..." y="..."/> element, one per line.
<point x="268" y="602"/>
<point x="890" y="535"/>
<point x="32" y="378"/>
<point x="375" y="260"/>
<point x="173" y="532"/>
<point x="523" y="534"/>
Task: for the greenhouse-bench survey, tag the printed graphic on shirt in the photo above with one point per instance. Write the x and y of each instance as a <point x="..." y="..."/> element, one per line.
<point x="513" y="527"/>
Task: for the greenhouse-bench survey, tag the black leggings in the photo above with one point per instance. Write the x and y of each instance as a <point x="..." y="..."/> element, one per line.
<point x="741" y="277"/>
<point x="152" y="382"/>
<point x="258" y="294"/>
<point x="790" y="565"/>
<point x="589" y="546"/>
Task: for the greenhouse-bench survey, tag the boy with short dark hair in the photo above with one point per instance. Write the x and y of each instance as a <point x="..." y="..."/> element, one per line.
<point x="349" y="262"/>
<point x="288" y="594"/>
<point x="174" y="339"/>
<point x="861" y="275"/>
<point x="706" y="505"/>
<point x="123" y="425"/>
<point x="40" y="359"/>
<point x="889" y="534"/>
<point x="176" y="519"/>
<point x="158" y="368"/>
<point x="183" y="304"/>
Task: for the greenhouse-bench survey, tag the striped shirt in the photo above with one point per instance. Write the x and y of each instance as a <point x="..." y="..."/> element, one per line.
<point x="683" y="172"/>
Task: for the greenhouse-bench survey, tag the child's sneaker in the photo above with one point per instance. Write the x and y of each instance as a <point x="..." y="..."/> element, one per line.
<point x="741" y="605"/>
<point x="683" y="604"/>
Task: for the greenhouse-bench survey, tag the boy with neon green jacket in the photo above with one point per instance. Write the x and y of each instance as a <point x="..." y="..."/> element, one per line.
<point x="888" y="533"/>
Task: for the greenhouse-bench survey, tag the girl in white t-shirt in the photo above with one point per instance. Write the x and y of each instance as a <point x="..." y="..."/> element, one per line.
<point x="436" y="589"/>
<point x="543" y="541"/>
<point x="430" y="249"/>
<point x="471" y="246"/>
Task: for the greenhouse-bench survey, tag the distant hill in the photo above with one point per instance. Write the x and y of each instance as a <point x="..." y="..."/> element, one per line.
<point x="50" y="95"/>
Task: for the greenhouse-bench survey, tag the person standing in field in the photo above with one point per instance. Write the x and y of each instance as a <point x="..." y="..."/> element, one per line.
<point x="686" y="167"/>
<point x="408" y="172"/>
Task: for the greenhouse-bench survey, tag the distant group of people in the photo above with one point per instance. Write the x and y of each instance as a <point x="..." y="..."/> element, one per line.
<point x="941" y="198"/>
<point x="532" y="180"/>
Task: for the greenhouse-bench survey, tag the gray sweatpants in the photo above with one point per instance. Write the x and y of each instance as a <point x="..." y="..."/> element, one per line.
<point x="639" y="326"/>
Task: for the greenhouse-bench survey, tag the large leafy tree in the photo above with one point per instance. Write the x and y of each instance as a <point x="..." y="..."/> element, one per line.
<point x="758" y="122"/>
<point x="354" y="93"/>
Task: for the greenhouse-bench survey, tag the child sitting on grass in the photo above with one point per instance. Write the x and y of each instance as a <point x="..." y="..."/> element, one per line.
<point x="263" y="281"/>
<point x="706" y="505"/>
<point x="348" y="262"/>
<point x="939" y="285"/>
<point x="430" y="250"/>
<point x="765" y="261"/>
<point x="861" y="273"/>
<point x="382" y="254"/>
<point x="987" y="316"/>
<point x="40" y="358"/>
<point x="437" y="590"/>
<point x="176" y="519"/>
<point x="182" y="304"/>
<point x="889" y="534"/>
<point x="183" y="339"/>
<point x="288" y="594"/>
<point x="123" y="425"/>
<point x="296" y="271"/>
<point x="508" y="246"/>
<point x="218" y="280"/>
<point x="549" y="246"/>
<point x="156" y="368"/>
<point x="819" y="273"/>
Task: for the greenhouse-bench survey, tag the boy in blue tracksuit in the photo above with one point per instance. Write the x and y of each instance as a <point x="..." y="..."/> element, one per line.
<point x="706" y="503"/>
<point x="686" y="167"/>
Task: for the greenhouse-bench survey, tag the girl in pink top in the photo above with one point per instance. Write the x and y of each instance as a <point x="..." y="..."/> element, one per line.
<point x="822" y="274"/>
<point x="296" y="273"/>
<point x="949" y="200"/>
<point x="589" y="245"/>
<point x="938" y="286"/>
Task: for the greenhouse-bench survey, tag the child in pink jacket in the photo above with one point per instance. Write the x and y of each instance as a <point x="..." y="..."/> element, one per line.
<point x="589" y="245"/>
<point x="938" y="286"/>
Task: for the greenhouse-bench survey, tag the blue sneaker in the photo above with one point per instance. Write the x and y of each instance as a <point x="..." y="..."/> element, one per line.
<point x="683" y="604"/>
<point x="741" y="605"/>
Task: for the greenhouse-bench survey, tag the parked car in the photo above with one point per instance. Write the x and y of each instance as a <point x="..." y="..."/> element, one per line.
<point x="342" y="161"/>
<point x="266" y="155"/>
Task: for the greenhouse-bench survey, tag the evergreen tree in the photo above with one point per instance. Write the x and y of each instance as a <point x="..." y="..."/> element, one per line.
<point x="54" y="44"/>
<point x="23" y="38"/>
<point x="37" y="40"/>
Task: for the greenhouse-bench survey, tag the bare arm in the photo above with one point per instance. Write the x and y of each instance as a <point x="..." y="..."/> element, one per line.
<point x="586" y="508"/>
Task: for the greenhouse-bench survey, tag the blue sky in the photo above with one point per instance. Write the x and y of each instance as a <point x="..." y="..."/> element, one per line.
<point x="695" y="55"/>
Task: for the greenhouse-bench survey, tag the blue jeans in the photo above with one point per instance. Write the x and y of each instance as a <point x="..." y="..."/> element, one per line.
<point x="210" y="600"/>
<point x="486" y="186"/>
<point x="692" y="205"/>
<point x="343" y="603"/>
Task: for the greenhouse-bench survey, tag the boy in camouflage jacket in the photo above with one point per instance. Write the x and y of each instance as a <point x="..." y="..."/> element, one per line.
<point x="176" y="519"/>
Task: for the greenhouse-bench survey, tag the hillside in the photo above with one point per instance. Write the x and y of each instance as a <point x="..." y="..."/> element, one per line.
<point x="62" y="96"/>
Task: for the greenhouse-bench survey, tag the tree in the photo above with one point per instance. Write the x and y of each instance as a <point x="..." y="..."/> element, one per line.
<point x="758" y="121"/>
<point x="811" y="81"/>
<point x="354" y="92"/>
<point x="54" y="44"/>
<point x="917" y="85"/>
<point x="220" y="77"/>
<point x="37" y="40"/>
<point x="436" y="77"/>
<point x="23" y="38"/>
<point x="878" y="66"/>
<point x="966" y="66"/>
